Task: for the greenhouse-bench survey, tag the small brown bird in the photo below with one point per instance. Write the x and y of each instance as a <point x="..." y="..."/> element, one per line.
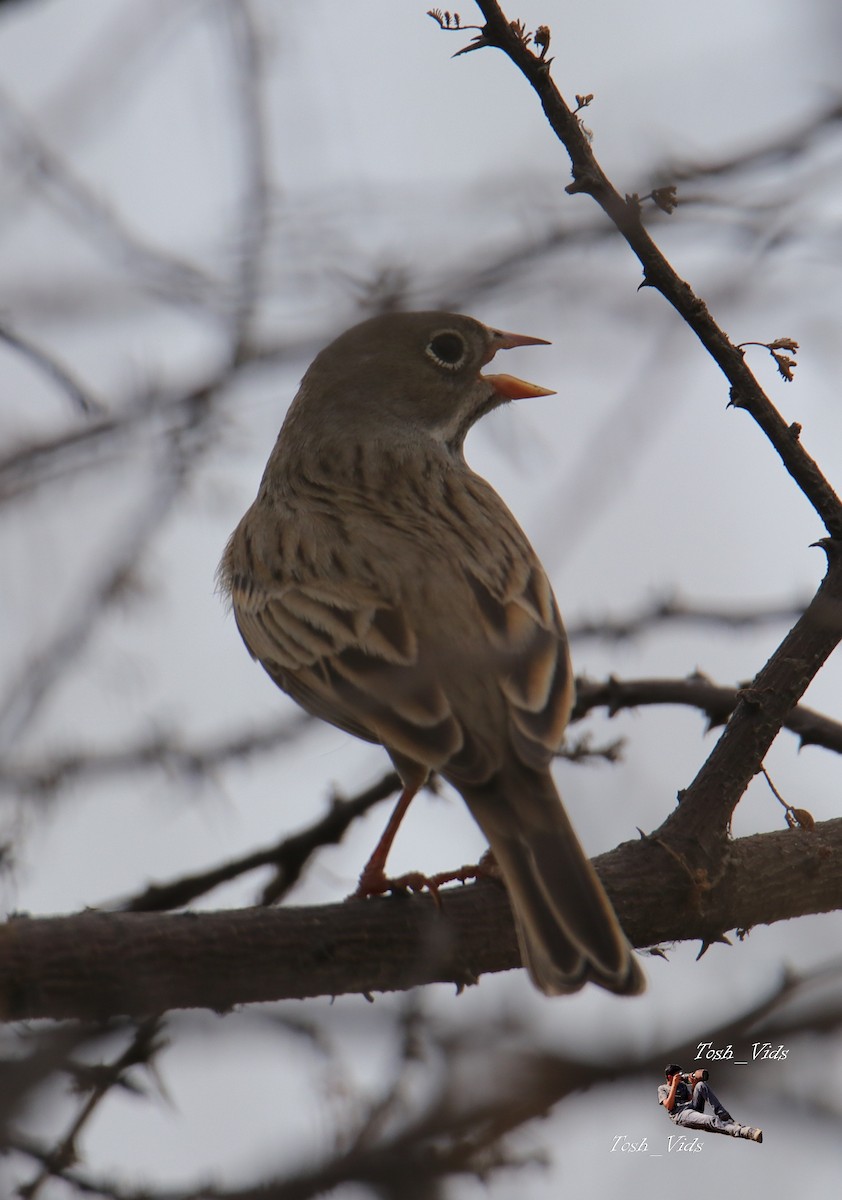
<point x="388" y="589"/>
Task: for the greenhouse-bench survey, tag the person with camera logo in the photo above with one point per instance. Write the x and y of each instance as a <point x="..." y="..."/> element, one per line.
<point x="684" y="1097"/>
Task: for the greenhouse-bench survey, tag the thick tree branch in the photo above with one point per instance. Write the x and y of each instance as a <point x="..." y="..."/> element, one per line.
<point x="101" y="964"/>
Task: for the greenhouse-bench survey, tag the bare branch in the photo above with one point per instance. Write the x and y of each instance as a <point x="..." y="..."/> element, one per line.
<point x="93" y="965"/>
<point x="166" y="752"/>
<point x="715" y="701"/>
<point x="588" y="177"/>
<point x="166" y="276"/>
<point x="288" y="856"/>
<point x="79" y="395"/>
<point x="142" y="1049"/>
<point x="26" y="693"/>
<point x="247" y="68"/>
<point x="704" y="815"/>
<point x="673" y="610"/>
<point x="787" y="145"/>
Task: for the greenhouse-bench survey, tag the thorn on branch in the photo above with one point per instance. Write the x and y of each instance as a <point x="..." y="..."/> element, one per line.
<point x="719" y="939"/>
<point x="785" y="364"/>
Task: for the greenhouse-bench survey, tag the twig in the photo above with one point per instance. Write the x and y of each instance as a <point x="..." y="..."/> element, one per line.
<point x="26" y="692"/>
<point x="783" y="146"/>
<point x="79" y="395"/>
<point x="698" y="829"/>
<point x="167" y="752"/>
<point x="672" y="610"/>
<point x="289" y="856"/>
<point x="169" y="278"/>
<point x="697" y="691"/>
<point x="141" y="1051"/>
<point x="247" y="69"/>
<point x="588" y="177"/>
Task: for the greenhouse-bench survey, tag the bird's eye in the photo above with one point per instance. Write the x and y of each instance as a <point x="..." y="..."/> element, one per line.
<point x="447" y="349"/>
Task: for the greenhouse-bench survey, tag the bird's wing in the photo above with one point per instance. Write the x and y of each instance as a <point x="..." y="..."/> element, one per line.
<point x="348" y="654"/>
<point x="517" y="622"/>
<point x="521" y="624"/>
<point x="454" y="661"/>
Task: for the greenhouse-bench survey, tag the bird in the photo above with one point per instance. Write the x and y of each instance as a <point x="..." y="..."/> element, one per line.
<point x="387" y="588"/>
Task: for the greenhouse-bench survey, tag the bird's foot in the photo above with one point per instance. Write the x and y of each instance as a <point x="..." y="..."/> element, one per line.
<point x="377" y="883"/>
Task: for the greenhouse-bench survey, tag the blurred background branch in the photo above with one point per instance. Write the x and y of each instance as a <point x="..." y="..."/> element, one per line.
<point x="196" y="196"/>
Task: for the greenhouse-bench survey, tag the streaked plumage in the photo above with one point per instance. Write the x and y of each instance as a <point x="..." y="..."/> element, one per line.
<point x="388" y="589"/>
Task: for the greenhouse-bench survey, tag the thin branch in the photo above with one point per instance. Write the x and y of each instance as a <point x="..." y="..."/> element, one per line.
<point x="715" y="701"/>
<point x="701" y="821"/>
<point x="166" y="752"/>
<point x="168" y="277"/>
<point x="247" y="64"/>
<point x="697" y="831"/>
<point x="289" y="856"/>
<point x="787" y="145"/>
<point x="28" y="691"/>
<point x="625" y="212"/>
<point x="79" y="395"/>
<point x="142" y="1049"/>
<point x="166" y="413"/>
<point x="673" y="610"/>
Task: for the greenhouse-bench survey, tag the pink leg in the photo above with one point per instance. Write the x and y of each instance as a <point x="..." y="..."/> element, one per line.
<point x="373" y="880"/>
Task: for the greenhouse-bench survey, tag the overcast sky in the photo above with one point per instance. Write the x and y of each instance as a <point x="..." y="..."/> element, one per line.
<point x="390" y="160"/>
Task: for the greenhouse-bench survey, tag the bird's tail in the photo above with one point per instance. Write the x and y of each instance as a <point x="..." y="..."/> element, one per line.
<point x="567" y="929"/>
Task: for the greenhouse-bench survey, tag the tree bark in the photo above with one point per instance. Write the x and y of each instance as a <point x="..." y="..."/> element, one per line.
<point x="98" y="964"/>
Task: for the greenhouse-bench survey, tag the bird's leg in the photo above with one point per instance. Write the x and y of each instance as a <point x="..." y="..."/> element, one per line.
<point x="373" y="881"/>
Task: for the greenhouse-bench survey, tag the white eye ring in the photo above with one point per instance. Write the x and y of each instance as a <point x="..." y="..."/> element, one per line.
<point x="450" y="342"/>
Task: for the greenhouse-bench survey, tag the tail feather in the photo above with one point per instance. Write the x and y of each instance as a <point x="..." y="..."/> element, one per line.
<point x="567" y="929"/>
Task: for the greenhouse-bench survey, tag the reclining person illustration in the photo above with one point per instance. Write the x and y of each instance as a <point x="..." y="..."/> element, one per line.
<point x="684" y="1098"/>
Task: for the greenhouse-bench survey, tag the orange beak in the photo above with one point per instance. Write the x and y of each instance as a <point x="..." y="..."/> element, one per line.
<point x="509" y="386"/>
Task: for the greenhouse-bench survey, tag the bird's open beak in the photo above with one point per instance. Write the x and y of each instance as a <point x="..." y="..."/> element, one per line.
<point x="509" y="386"/>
